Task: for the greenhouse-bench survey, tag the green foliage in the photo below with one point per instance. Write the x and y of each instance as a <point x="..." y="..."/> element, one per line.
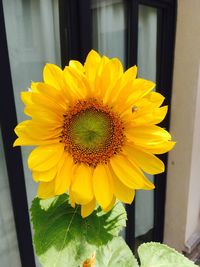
<point x="156" y="255"/>
<point x="63" y="238"/>
<point x="115" y="254"/>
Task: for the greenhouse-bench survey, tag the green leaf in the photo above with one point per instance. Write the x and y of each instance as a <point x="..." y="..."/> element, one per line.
<point x="115" y="254"/>
<point x="45" y="204"/>
<point x="63" y="238"/>
<point x="158" y="255"/>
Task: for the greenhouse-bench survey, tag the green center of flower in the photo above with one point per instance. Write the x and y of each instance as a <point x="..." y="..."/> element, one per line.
<point x="92" y="133"/>
<point x="90" y="130"/>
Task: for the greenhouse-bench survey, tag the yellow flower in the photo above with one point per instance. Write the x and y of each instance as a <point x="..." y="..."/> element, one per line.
<point x="94" y="128"/>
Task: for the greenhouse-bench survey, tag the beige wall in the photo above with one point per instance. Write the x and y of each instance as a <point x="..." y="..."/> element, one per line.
<point x="183" y="181"/>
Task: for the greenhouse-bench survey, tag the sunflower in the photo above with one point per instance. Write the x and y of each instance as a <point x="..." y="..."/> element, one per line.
<point x="94" y="128"/>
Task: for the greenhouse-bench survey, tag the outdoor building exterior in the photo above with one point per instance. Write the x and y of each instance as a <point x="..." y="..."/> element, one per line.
<point x="163" y="38"/>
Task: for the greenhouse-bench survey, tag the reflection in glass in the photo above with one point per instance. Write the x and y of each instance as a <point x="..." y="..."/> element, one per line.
<point x="32" y="28"/>
<point x="109" y="27"/>
<point x="147" y="41"/>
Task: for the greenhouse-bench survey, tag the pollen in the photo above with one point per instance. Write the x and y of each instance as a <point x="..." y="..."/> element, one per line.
<point x="92" y="133"/>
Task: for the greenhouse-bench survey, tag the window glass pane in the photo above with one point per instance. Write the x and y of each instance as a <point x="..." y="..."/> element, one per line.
<point x="32" y="28"/>
<point x="109" y="27"/>
<point x="9" y="253"/>
<point x="147" y="40"/>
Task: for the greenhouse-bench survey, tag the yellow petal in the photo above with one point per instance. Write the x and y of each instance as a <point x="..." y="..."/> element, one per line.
<point x="151" y="117"/>
<point x="144" y="106"/>
<point x="142" y="87"/>
<point x="26" y="98"/>
<point x="45" y="176"/>
<point x="102" y="187"/>
<point x="147" y="103"/>
<point x="88" y="208"/>
<point x="91" y="64"/>
<point x="129" y="174"/>
<point x="159" y="114"/>
<point x="55" y="96"/>
<point x="44" y="115"/>
<point x="131" y="92"/>
<point x="46" y="190"/>
<point x="155" y="98"/>
<point x="122" y="84"/>
<point x="33" y="87"/>
<point x="36" y="130"/>
<point x="72" y="200"/>
<point x="111" y="73"/>
<point x="26" y="141"/>
<point x="147" y="134"/>
<point x="32" y="133"/>
<point x="53" y="75"/>
<point x="112" y="203"/>
<point x="81" y="85"/>
<point x="76" y="65"/>
<point x="44" y="158"/>
<point x="64" y="175"/>
<point x="123" y="95"/>
<point x="145" y="160"/>
<point x="103" y="76"/>
<point x="129" y="74"/>
<point x="116" y="72"/>
<point x="81" y="188"/>
<point x="74" y="84"/>
<point x="161" y="147"/>
<point x="121" y="191"/>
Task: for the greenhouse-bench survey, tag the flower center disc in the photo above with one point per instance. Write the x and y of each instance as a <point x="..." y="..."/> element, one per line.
<point x="90" y="130"/>
<point x="92" y="133"/>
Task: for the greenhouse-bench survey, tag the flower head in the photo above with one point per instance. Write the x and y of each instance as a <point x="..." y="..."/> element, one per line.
<point x="94" y="128"/>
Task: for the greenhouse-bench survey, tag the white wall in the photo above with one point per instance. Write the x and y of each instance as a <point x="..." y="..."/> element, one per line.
<point x="183" y="181"/>
<point x="193" y="212"/>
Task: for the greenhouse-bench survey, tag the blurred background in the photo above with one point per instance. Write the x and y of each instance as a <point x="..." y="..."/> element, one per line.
<point x="162" y="37"/>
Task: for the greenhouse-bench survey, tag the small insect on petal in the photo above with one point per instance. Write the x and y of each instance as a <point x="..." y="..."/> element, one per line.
<point x="134" y="108"/>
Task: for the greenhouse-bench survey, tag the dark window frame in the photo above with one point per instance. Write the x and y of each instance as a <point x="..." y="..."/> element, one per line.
<point x="166" y="26"/>
<point x="75" y="40"/>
